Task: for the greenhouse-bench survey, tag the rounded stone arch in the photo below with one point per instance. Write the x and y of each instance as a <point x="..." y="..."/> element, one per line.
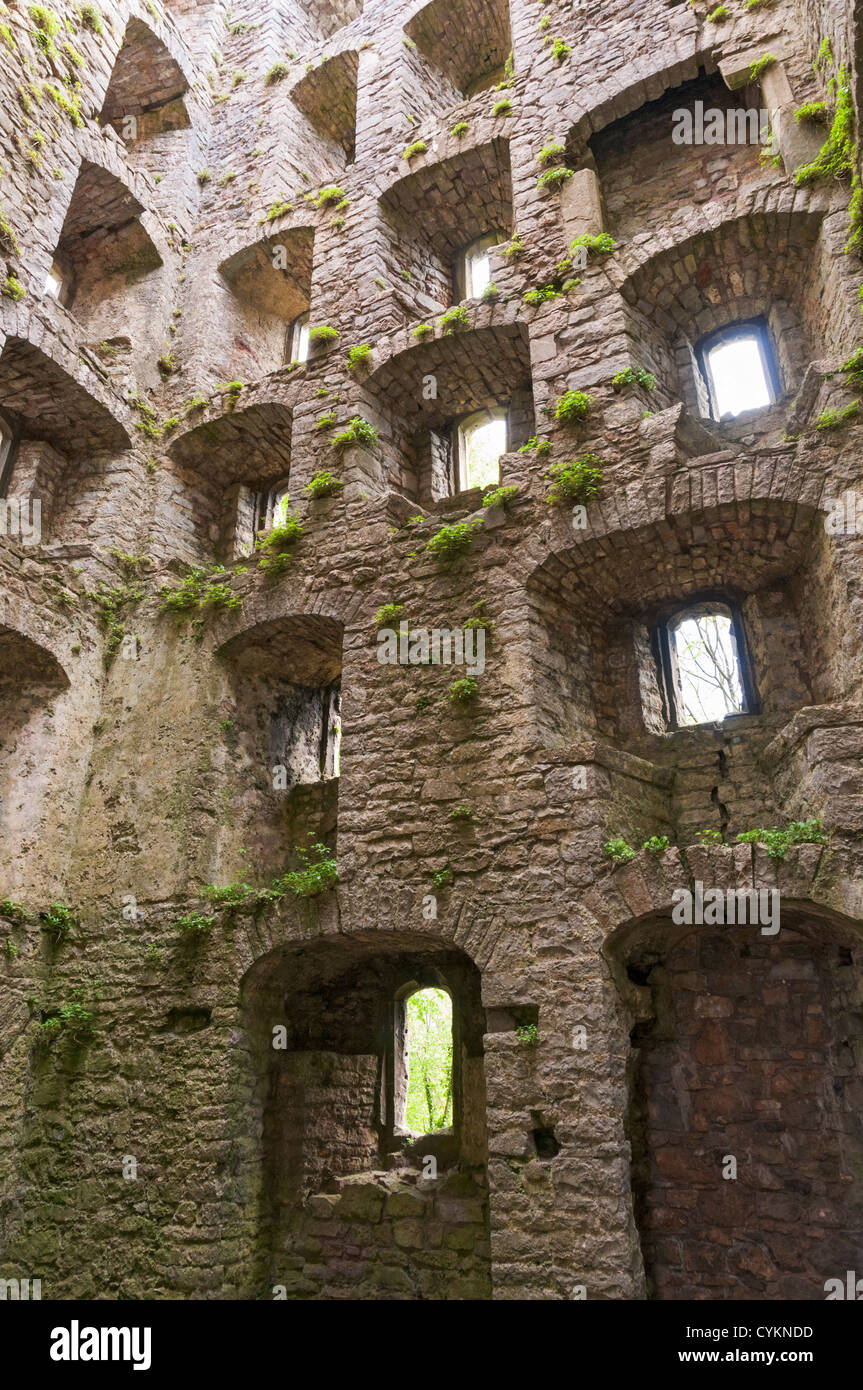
<point x="319" y="1036"/>
<point x="755" y="549"/>
<point x="743" y="1080"/>
<point x="672" y="63"/>
<point x="747" y="269"/>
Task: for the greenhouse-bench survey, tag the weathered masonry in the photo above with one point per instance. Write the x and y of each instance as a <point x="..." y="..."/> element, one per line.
<point x="327" y="317"/>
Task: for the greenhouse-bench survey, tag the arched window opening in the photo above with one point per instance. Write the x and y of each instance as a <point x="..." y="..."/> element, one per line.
<point x="474" y="265"/>
<point x="7" y="455"/>
<point x="297" y="340"/>
<point x="482" y="438"/>
<point x="271" y="506"/>
<point x="702" y="664"/>
<point x="57" y="283"/>
<point x="428" y="1055"/>
<point x="740" y="370"/>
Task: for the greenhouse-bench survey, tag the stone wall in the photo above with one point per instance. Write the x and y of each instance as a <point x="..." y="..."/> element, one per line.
<point x="169" y="1150"/>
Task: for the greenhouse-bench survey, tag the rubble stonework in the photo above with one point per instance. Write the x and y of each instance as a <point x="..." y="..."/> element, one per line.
<point x="201" y="175"/>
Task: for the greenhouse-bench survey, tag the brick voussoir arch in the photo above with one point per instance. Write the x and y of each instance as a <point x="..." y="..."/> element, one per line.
<point x="663" y="520"/>
<point x="370" y="912"/>
<point x="284" y="602"/>
<point x="784" y="212"/>
<point x="95" y="148"/>
<point x="644" y="888"/>
<point x="165" y="30"/>
<point x="672" y="64"/>
<point x="44" y="325"/>
<point x="40" y="627"/>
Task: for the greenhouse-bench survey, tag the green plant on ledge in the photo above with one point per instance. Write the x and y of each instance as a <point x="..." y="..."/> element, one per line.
<point x="551" y="153"/>
<point x="453" y="319"/>
<point x="578" y="480"/>
<point x="595" y="245"/>
<point x="716" y="16"/>
<point x="323" y="484"/>
<point x="423" y="331"/>
<point x="657" y="844"/>
<point x="357" y="434"/>
<point x="418" y="147"/>
<point x="573" y="407"/>
<point x="277" y="73"/>
<point x="527" y="1035"/>
<point x="318" y="872"/>
<point x="331" y="194"/>
<point x="500" y="496"/>
<point x="514" y="249"/>
<point x="760" y="65"/>
<point x="459" y="129"/>
<point x="8" y="239"/>
<point x="836" y="419"/>
<point x="274" y="547"/>
<point x="14" y="912"/>
<point x="536" y="446"/>
<point x="618" y="850"/>
<point x="277" y="210"/>
<point x="560" y="49"/>
<point x="11" y="287"/>
<point x="231" y="389"/>
<point x="461" y="692"/>
<point x="778" y="840"/>
<point x="502" y="108"/>
<point x="72" y="1019"/>
<point x="554" y="178"/>
<point x="461" y="813"/>
<point x="359" y="356"/>
<point x="323" y="333"/>
<point x="195" y="925"/>
<point x="816" y="111"/>
<point x="201" y="588"/>
<point x="326" y="420"/>
<point x="634" y="376"/>
<point x="91" y="18"/>
<point x="442" y="878"/>
<point x="387" y="614"/>
<point x="709" y="837"/>
<point x="453" y="540"/>
<point x="58" y="921"/>
<point x="853" y="368"/>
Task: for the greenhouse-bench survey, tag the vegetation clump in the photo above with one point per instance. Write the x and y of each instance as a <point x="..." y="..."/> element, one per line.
<point x="500" y="496"/>
<point x="357" y="434"/>
<point x="594" y="246"/>
<point x="323" y="333"/>
<point x="58" y="921"/>
<point x="461" y="692"/>
<point x="202" y="588"/>
<point x="388" y="613"/>
<point x="554" y="178"/>
<point x="450" y="541"/>
<point x="323" y="484"/>
<point x="277" y="73"/>
<point x="836" y="419"/>
<point x="318" y="872"/>
<point x="760" y="65"/>
<point x="573" y="407"/>
<point x="274" y="547"/>
<point x="634" y="376"/>
<point x="578" y="480"/>
<point x="618" y="850"/>
<point x="359" y="356"/>
<point x="418" y="147"/>
<point x="453" y="319"/>
<point x="73" y="1019"/>
<point x="779" y="839"/>
<point x="11" y="287"/>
